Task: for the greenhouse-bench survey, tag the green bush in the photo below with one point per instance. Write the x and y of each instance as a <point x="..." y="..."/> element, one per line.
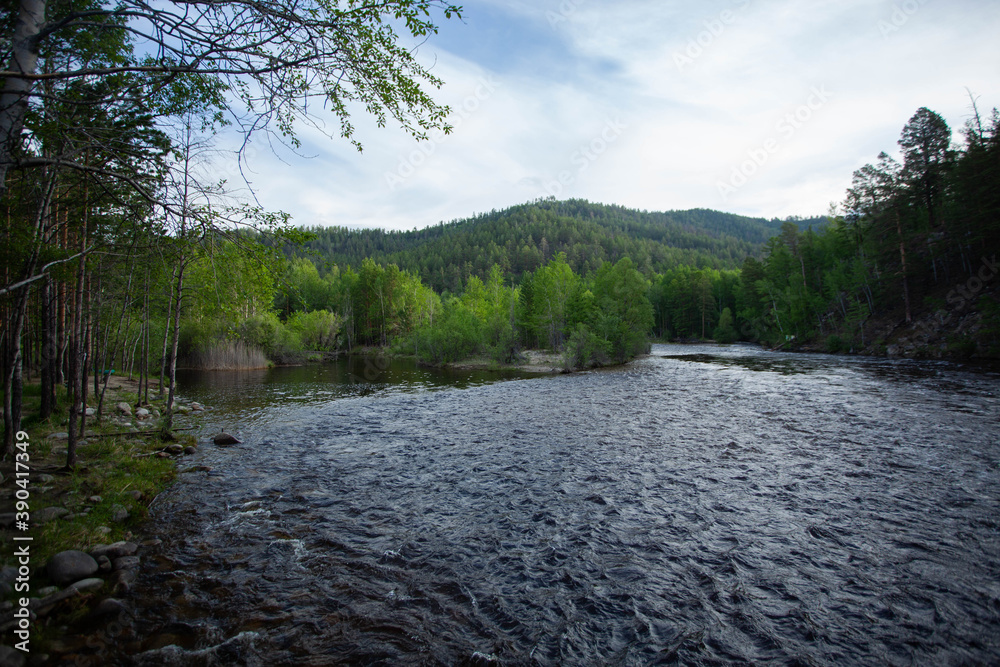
<point x="836" y="345"/>
<point x="266" y="332"/>
<point x="318" y="330"/>
<point x="585" y="349"/>
<point x="455" y="335"/>
<point x="725" y="332"/>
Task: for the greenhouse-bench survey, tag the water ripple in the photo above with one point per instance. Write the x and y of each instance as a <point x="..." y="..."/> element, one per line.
<point x="714" y="506"/>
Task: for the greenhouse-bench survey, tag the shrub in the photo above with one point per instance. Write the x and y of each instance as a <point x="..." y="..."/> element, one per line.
<point x="456" y="334"/>
<point x="265" y="331"/>
<point x="835" y="344"/>
<point x="318" y="330"/>
<point x="585" y="349"/>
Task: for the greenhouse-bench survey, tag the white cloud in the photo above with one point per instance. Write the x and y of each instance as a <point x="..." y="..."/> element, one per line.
<point x="532" y="111"/>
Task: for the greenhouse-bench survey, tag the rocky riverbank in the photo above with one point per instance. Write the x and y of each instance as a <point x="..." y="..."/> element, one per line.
<point x="83" y="525"/>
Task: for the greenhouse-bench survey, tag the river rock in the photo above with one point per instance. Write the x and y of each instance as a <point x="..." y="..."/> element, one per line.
<point x="142" y="413"/>
<point x="197" y="407"/>
<point x="174" y="449"/>
<point x="48" y="514"/>
<point x="104" y="564"/>
<point x="126" y="563"/>
<point x="225" y="439"/>
<point x="190" y="450"/>
<point x="69" y="566"/>
<point x="94" y="499"/>
<point x="121" y="581"/>
<point x="116" y="550"/>
<point x="7" y="577"/>
<point x="124" y="408"/>
<point x="118" y="513"/>
<point x="109" y="607"/>
<point x="88" y="585"/>
<point x="135" y="494"/>
<point x="90" y="412"/>
<point x="11" y="657"/>
<point x="47" y="591"/>
<point x="58" y="436"/>
<point x="182" y="409"/>
<point x="44" y="478"/>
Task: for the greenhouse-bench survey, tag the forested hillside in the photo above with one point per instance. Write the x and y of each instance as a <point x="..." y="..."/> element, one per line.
<point x="909" y="268"/>
<point x="523" y="238"/>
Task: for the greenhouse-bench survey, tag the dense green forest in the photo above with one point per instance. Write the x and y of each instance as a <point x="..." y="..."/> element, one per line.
<point x="523" y="238"/>
<point x="909" y="266"/>
<point x="908" y="262"/>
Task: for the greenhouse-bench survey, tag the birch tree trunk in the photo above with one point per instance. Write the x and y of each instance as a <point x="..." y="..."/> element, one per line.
<point x="16" y="89"/>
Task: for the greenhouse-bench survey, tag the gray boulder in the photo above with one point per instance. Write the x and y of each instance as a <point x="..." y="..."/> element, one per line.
<point x="109" y="607"/>
<point x="87" y="585"/>
<point x="11" y="657"/>
<point x="126" y="563"/>
<point x="121" y="581"/>
<point x="118" y="513"/>
<point x="116" y="550"/>
<point x="225" y="439"/>
<point x="69" y="566"/>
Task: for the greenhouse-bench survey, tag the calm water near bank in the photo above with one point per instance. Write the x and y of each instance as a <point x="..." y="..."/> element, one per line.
<point x="705" y="505"/>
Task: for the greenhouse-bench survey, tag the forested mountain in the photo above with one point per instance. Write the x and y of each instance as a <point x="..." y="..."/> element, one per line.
<point x="910" y="267"/>
<point x="523" y="238"/>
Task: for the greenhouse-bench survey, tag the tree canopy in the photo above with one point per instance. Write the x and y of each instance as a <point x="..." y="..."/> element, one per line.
<point x="261" y="64"/>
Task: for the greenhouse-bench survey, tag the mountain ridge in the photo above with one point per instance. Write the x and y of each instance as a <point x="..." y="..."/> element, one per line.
<point x="523" y="237"/>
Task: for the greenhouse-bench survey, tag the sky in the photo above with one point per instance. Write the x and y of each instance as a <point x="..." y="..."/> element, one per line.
<point x="756" y="107"/>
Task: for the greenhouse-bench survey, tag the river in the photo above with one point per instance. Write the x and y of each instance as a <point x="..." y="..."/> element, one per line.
<point x="705" y="505"/>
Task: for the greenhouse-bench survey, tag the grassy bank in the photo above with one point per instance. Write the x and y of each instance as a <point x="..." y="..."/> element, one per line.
<point x="122" y="465"/>
<point x="118" y="467"/>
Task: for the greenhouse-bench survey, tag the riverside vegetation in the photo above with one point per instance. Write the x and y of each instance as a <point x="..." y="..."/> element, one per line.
<point x="93" y="508"/>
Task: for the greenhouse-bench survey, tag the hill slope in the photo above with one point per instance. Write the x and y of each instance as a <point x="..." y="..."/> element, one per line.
<point x="524" y="237"/>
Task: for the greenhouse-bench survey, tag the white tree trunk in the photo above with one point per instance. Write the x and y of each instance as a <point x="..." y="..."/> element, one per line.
<point x="14" y="97"/>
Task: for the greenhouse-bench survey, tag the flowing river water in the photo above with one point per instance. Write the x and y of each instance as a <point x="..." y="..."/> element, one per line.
<point x="704" y="505"/>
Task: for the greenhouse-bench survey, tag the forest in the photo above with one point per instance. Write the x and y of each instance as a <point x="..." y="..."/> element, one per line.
<point x="522" y="238"/>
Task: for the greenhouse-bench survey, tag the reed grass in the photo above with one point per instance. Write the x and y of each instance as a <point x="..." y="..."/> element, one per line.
<point x="228" y="356"/>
